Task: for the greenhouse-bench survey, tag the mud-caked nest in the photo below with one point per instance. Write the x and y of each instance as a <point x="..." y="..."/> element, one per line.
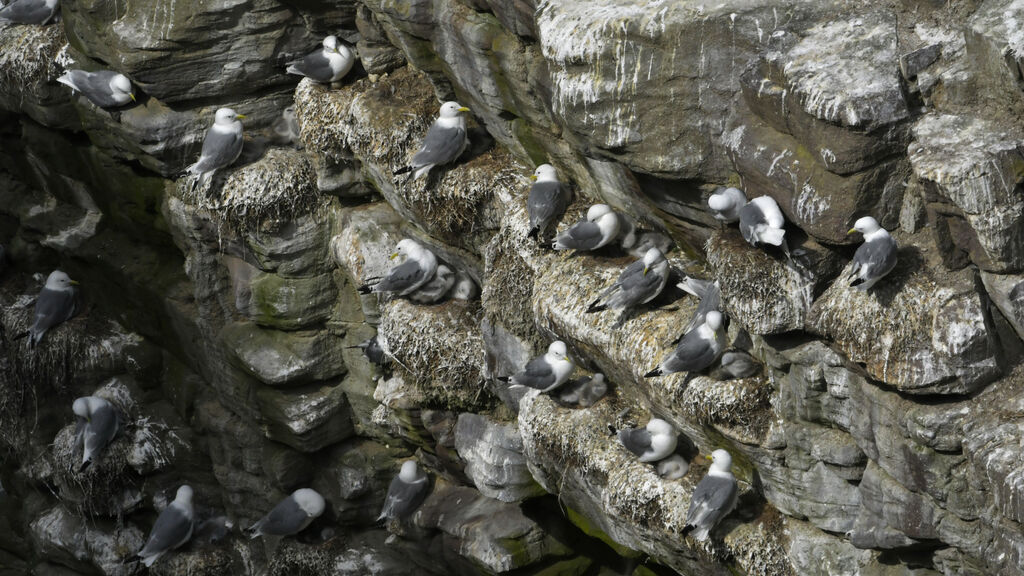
<point x="28" y="54"/>
<point x="508" y="289"/>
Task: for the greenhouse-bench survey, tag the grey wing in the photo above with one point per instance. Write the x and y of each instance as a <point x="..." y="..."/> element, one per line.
<point x="401" y="277"/>
<point x="635" y="287"/>
<point x="26" y="12"/>
<point x="584" y="235"/>
<point x="573" y="390"/>
<point x="691" y="355"/>
<point x="440" y="146"/>
<point x="711" y="500"/>
<point x="636" y="440"/>
<point x="171" y="530"/>
<point x="52" y="308"/>
<point x="101" y="429"/>
<point x="537" y="374"/>
<point x="712" y="300"/>
<point x="219" y="150"/>
<point x="95" y="86"/>
<point x="403" y="498"/>
<point x="546" y="202"/>
<point x="750" y="218"/>
<point x="285" y="519"/>
<point x="315" y="66"/>
<point x="875" y="259"/>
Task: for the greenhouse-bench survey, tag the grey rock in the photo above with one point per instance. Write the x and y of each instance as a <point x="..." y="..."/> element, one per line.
<point x="70" y="540"/>
<point x="493" y="452"/>
<point x="912" y="63"/>
<point x="307" y="418"/>
<point x="281" y="358"/>
<point x="1007" y="292"/>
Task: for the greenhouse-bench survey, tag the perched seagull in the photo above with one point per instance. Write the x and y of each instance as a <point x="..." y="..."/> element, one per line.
<point x="101" y="426"/>
<point x="435" y="289"/>
<point x="875" y="258"/>
<point x="638" y="284"/>
<point x="673" y="468"/>
<point x="222" y="146"/>
<point x="444" y="143"/>
<point x="761" y="222"/>
<point x="104" y="88"/>
<point x="464" y="288"/>
<point x="585" y="391"/>
<point x="291" y="515"/>
<point x="547" y="201"/>
<point x="372" y="350"/>
<point x="29" y="11"/>
<point x="713" y="498"/>
<point x="405" y="493"/>
<point x="710" y="294"/>
<point x="419" y="267"/>
<point x="329" y="64"/>
<point x="172" y="529"/>
<point x="652" y="443"/>
<point x="54" y="305"/>
<point x="727" y="204"/>
<point x="736" y="364"/>
<point x="698" y="349"/>
<point x="600" y="228"/>
<point x="547" y="372"/>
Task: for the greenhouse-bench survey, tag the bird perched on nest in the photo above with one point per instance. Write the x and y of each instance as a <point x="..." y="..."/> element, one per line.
<point x="673" y="468"/>
<point x="762" y="222"/>
<point x="100" y="425"/>
<point x="652" y="443"/>
<point x="221" y="147"/>
<point x="599" y="228"/>
<point x="104" y="88"/>
<point x="405" y="493"/>
<point x="291" y="515"/>
<point x="29" y="11"/>
<point x="698" y="349"/>
<point x="547" y="372"/>
<point x="445" y="141"/>
<point x="713" y="498"/>
<point x="547" y="201"/>
<point x="329" y="64"/>
<point x="638" y="284"/>
<point x="56" y="304"/>
<point x="418" y="268"/>
<point x="173" y="527"/>
<point x="875" y="258"/>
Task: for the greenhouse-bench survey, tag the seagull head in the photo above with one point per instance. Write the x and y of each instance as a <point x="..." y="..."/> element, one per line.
<point x="184" y="494"/>
<point x="657" y="426"/>
<point x="409" y="472"/>
<point x="406" y="247"/>
<point x="721" y="461"/>
<point x="310" y="501"/>
<point x="331" y="44"/>
<point x="557" y="351"/>
<point x="58" y="280"/>
<point x="865" y="225"/>
<point x="725" y="200"/>
<point x="452" y="109"/>
<point x="120" y="84"/>
<point x="713" y="320"/>
<point x="652" y="258"/>
<point x="81" y="407"/>
<point x="226" y="116"/>
<point x="596" y="211"/>
<point x="545" y="173"/>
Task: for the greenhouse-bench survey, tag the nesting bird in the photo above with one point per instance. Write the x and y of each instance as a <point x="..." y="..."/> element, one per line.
<point x="172" y="529"/>
<point x="418" y="268"/>
<point x="547" y="201"/>
<point x="405" y="493"/>
<point x="547" y="372"/>
<point x="104" y="88"/>
<point x="100" y="426"/>
<point x="652" y="443"/>
<point x="736" y="364"/>
<point x="465" y="288"/>
<point x="673" y="468"/>
<point x="435" y="289"/>
<point x="291" y="515"/>
<point x="444" y="143"/>
<point x="286" y="127"/>
<point x="54" y="305"/>
<point x="29" y="11"/>
<point x="762" y="222"/>
<point x="638" y="284"/>
<point x="726" y="205"/>
<point x="875" y="258"/>
<point x="600" y="228"/>
<point x="713" y="498"/>
<point x="710" y="294"/>
<point x="221" y="147"/>
<point x="698" y="349"/>
<point x="329" y="64"/>
<point x="584" y="392"/>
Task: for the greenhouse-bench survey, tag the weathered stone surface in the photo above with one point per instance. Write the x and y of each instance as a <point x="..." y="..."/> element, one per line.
<point x="306" y="418"/>
<point x="284" y="358"/>
<point x="1007" y="292"/>
<point x="354" y="479"/>
<point x="493" y="452"/>
<point x="83" y="545"/>
<point x="29" y="73"/>
<point x="994" y="43"/>
<point x="282" y="303"/>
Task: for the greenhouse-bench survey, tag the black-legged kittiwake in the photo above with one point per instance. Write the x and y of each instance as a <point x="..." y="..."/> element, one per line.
<point x="405" y="493"/>
<point x="875" y="258"/>
<point x="652" y="443"/>
<point x="435" y="289"/>
<point x="54" y="305"/>
<point x="547" y="372"/>
<point x="673" y="468"/>
<point x="104" y="88"/>
<point x="585" y="391"/>
<point x="101" y="424"/>
<point x="418" y="268"/>
<point x="600" y="228"/>
<point x="762" y="222"/>
<point x="547" y="201"/>
<point x="221" y="147"/>
<point x="638" y="284"/>
<point x="465" y="287"/>
<point x="286" y="128"/>
<point x="713" y="498"/>
<point x="29" y="11"/>
<point x="444" y="143"/>
<point x="726" y="205"/>
<point x="698" y="349"/>
<point x="710" y="294"/>
<point x="173" y="527"/>
<point x="291" y="515"/>
<point x="736" y="364"/>
<point x="372" y="350"/>
<point x="329" y="64"/>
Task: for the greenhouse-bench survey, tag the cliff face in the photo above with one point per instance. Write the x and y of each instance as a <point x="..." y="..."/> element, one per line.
<point x="882" y="433"/>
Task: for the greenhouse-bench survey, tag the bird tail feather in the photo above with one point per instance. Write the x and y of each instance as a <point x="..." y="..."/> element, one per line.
<point x="653" y="373"/>
<point x="595" y="307"/>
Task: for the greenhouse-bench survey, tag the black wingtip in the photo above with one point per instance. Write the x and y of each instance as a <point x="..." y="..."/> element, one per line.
<point x="687" y="529"/>
<point x="533" y="232"/>
<point x="653" y="373"/>
<point x="595" y="307"/>
<point x="22" y="335"/>
<point x="365" y="289"/>
<point x="403" y="170"/>
<point x="857" y="281"/>
<point x="504" y="379"/>
<point x="84" y="465"/>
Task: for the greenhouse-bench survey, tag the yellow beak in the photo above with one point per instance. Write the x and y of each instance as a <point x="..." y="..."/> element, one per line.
<point x="708" y="456"/>
<point x="132" y="96"/>
<point x="463" y="109"/>
<point x="240" y="116"/>
<point x="851" y="230"/>
<point x="393" y="256"/>
<point x="533" y="176"/>
<point x="566" y="358"/>
<point x="645" y="270"/>
<point x="74" y="282"/>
